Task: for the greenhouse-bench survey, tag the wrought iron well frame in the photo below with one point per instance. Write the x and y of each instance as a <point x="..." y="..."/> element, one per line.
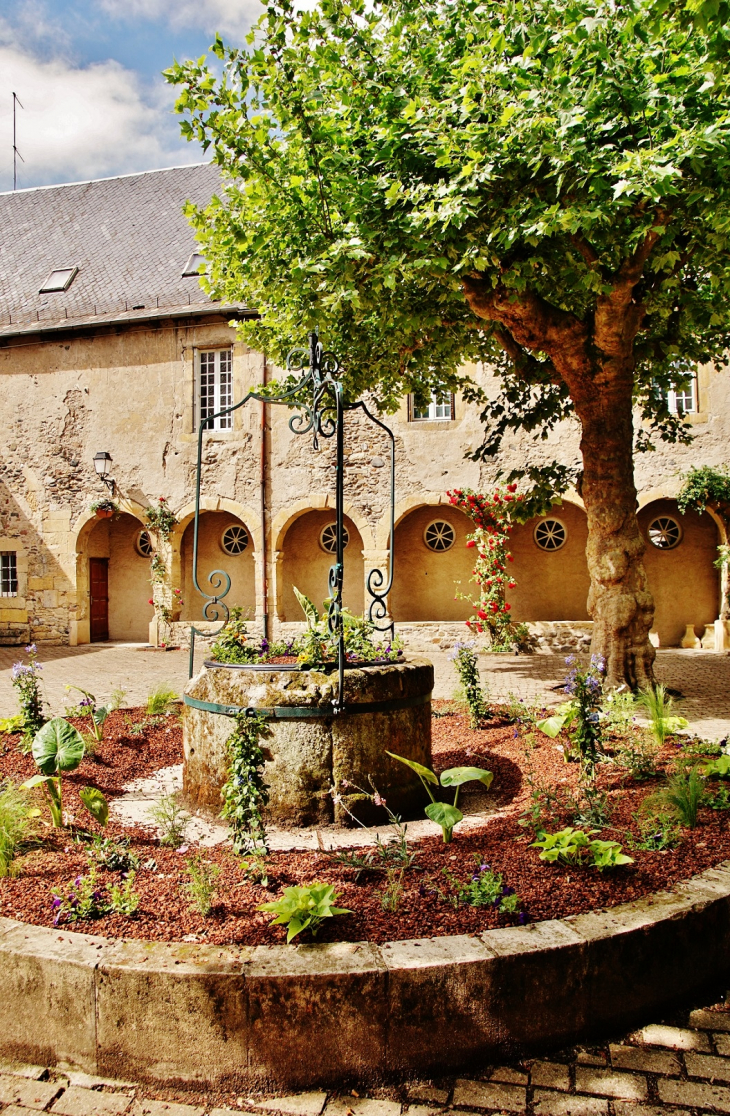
<point x="324" y="415"/>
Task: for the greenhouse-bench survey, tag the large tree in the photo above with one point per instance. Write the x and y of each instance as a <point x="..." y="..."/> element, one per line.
<point x="543" y="184"/>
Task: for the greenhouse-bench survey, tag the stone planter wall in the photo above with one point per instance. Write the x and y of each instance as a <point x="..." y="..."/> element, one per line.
<point x="308" y="750"/>
<point x="319" y="1015"/>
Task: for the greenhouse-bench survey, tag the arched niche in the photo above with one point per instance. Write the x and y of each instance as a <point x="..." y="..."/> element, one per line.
<point x="425" y="582"/>
<point x="552" y="584"/>
<point x="305" y="563"/>
<point x="216" y="530"/>
<point x="110" y="551"/>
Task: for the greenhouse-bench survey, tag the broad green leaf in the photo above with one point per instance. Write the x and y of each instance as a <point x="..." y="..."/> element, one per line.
<point x="553" y="726"/>
<point x="35" y="781"/>
<point x="307" y="607"/>
<point x="674" y="724"/>
<point x="444" y="814"/>
<point x="100" y="715"/>
<point x="455" y="776"/>
<point x="95" y="803"/>
<point x="719" y="766"/>
<point x="58" y="747"/>
<point x="424" y="772"/>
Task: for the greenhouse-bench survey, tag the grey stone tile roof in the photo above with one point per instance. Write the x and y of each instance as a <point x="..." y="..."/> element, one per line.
<point x="127" y="236"/>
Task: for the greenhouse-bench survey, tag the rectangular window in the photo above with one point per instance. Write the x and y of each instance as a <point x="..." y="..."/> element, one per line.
<point x="215" y="387"/>
<point x="8" y="574"/>
<point x="441" y="409"/>
<point x="683" y="399"/>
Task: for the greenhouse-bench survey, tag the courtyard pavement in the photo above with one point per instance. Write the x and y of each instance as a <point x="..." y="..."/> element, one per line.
<point x="701" y="676"/>
<point x="674" y="1068"/>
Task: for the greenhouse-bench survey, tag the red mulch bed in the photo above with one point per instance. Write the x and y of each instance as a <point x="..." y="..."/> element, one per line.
<point x="546" y="891"/>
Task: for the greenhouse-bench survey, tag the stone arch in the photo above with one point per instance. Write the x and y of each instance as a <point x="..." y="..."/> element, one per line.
<point x="284" y="519"/>
<point x="682" y="580"/>
<point x="113" y="540"/>
<point x="301" y="561"/>
<point x="551" y="585"/>
<point x="426" y="583"/>
<point x="241" y="568"/>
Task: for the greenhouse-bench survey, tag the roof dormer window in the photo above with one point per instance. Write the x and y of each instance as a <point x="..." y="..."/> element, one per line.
<point x="60" y="279"/>
<point x="194" y="264"/>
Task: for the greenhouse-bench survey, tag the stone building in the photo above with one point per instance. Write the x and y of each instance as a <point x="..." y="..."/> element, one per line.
<point x="108" y="346"/>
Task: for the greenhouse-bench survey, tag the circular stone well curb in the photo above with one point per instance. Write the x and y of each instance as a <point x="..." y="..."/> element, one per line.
<point x="314" y="1015"/>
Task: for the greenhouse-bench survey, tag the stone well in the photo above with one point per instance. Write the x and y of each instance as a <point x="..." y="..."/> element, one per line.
<point x="308" y="748"/>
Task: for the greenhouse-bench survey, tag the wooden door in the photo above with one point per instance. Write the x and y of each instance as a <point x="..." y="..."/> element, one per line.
<point x="99" y="612"/>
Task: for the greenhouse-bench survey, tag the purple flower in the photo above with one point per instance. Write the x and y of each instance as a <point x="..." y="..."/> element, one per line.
<point x="522" y="918"/>
<point x="56" y="904"/>
<point x="31" y="649"/>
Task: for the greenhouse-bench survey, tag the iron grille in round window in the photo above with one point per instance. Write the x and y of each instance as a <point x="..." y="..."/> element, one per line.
<point x="550" y="534"/>
<point x="439" y="536"/>
<point x="664" y="532"/>
<point x="328" y="538"/>
<point x="143" y="544"/>
<point x="234" y="539"/>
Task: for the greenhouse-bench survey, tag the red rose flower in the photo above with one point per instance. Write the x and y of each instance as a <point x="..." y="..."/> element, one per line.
<point x="471" y="542"/>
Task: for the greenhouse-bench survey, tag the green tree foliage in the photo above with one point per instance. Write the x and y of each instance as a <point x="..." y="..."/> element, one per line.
<point x="541" y="184"/>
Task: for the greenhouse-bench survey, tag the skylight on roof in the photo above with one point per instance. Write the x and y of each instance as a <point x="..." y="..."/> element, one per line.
<point x="194" y="264"/>
<point x="60" y="279"/>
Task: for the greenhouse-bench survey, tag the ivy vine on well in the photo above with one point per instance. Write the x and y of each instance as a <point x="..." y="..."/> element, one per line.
<point x="244" y="793"/>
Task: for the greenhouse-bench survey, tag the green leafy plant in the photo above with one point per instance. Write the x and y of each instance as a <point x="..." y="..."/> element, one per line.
<point x="656" y="832"/>
<point x="719" y="768"/>
<point x="26" y="681"/>
<point x="619" y="710"/>
<point x="116" y="698"/>
<point x="638" y="758"/>
<point x="718" y="799"/>
<point x="244" y="792"/>
<point x="81" y="899"/>
<point x="97" y="713"/>
<point x="464" y="659"/>
<point x="171" y="820"/>
<point x="658" y="705"/>
<point x="161" y="700"/>
<point x="58" y="749"/>
<point x="574" y="846"/>
<point x="485" y="888"/>
<point x="113" y="854"/>
<point x="16" y="818"/>
<point x="392" y="856"/>
<point x="202" y="884"/>
<point x="445" y="814"/>
<point x="682" y="796"/>
<point x="582" y="714"/>
<point x="161" y="518"/>
<point x="123" y="899"/>
<point x="394" y="890"/>
<point x="10" y="725"/>
<point x="104" y="505"/>
<point x="304" y="908"/>
<point x="254" y="867"/>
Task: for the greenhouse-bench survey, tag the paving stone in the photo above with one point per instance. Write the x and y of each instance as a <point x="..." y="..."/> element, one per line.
<point x="23" y="1069"/>
<point x="423" y="1109"/>
<point x="694" y="1094"/>
<point x="27" y="1093"/>
<point x="76" y="1101"/>
<point x="620" y="1108"/>
<point x="296" y="1104"/>
<point x="645" y="1061"/>
<point x="488" y="1094"/>
<point x="590" y="1058"/>
<point x="722" y="1043"/>
<point x="426" y="1092"/>
<point x="163" y="1108"/>
<point x="551" y="1075"/>
<point x="608" y="1083"/>
<point x="557" y="1104"/>
<point x="15" y="1110"/>
<point x="677" y="1037"/>
<point x="706" y="1065"/>
<point x="508" y="1075"/>
<point x="89" y="1081"/>
<point x="710" y="1020"/>
<point x="362" y="1106"/>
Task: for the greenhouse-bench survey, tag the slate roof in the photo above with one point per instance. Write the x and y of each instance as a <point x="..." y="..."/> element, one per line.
<point x="127" y="236"/>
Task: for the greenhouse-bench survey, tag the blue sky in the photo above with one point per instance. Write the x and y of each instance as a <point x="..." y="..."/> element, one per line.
<point x="88" y="75"/>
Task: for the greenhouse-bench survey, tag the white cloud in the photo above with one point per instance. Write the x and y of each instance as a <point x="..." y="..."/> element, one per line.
<point x="82" y="122"/>
<point x="233" y="17"/>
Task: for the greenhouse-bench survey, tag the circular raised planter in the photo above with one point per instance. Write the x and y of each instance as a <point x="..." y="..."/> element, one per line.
<point x="313" y="1015"/>
<point x="310" y="748"/>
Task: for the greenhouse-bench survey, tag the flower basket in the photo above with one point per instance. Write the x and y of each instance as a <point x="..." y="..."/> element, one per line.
<point x="104" y="513"/>
<point x="104" y="509"/>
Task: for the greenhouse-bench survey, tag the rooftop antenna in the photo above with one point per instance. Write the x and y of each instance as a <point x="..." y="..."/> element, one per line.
<point x="16" y="153"/>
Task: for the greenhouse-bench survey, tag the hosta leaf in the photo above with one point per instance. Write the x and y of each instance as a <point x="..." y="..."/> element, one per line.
<point x="58" y="746"/>
<point x="419" y="769"/>
<point x="95" y="803"/>
<point x="444" y="814"/>
<point x="455" y="776"/>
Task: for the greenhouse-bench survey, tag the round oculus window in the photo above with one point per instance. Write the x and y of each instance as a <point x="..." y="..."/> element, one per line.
<point x="550" y="534"/>
<point x="143" y="544"/>
<point x="328" y="538"/>
<point x="439" y="536"/>
<point x="234" y="539"/>
<point x="664" y="532"/>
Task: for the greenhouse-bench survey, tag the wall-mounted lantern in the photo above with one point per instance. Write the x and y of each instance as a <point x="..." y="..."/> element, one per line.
<point x="102" y="464"/>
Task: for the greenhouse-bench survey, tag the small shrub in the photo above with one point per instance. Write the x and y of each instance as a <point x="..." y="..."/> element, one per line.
<point x="113" y="854"/>
<point x="116" y="698"/>
<point x="161" y="700"/>
<point x="202" y="884"/>
<point x="573" y="846"/>
<point x="171" y="819"/>
<point x="619" y="709"/>
<point x="254" y="867"/>
<point x="443" y="813"/>
<point x="304" y="908"/>
<point x="394" y="891"/>
<point x="26" y="680"/>
<point x="464" y="659"/>
<point x="16" y="814"/>
<point x="485" y="889"/>
<point x="656" y="832"/>
<point x="681" y="797"/>
<point x="58" y="749"/>
<point x="83" y="898"/>
<point x="638" y="758"/>
<point x="123" y="899"/>
<point x="10" y="725"/>
<point x="658" y="705"/>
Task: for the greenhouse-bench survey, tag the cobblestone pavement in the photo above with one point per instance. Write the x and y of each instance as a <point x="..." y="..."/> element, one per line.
<point x="701" y="676"/>
<point x="680" y="1068"/>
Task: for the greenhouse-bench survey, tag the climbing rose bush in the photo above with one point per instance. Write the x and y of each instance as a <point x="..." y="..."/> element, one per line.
<point x="490" y="539"/>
